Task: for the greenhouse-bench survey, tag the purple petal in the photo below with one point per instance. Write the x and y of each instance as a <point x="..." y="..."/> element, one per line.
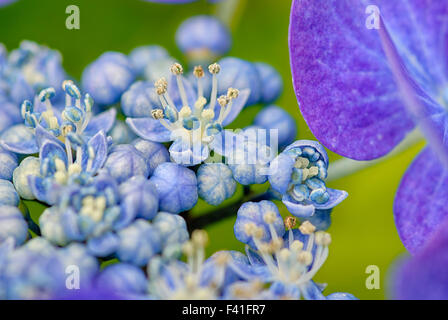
<point x="421" y="201"/>
<point x="19" y="139"/>
<point x="103" y="121"/>
<point x="425" y="276"/>
<point x="149" y="129"/>
<point x="431" y="118"/>
<point x="341" y="75"/>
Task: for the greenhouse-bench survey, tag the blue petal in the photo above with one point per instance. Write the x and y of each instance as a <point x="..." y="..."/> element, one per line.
<point x="103" y="245"/>
<point x="19" y="139"/>
<point x="150" y="129"/>
<point x="43" y="135"/>
<point x="298" y="209"/>
<point x="103" y="121"/>
<point x="186" y="154"/>
<point x="280" y="172"/>
<point x="237" y="105"/>
<point x="99" y="144"/>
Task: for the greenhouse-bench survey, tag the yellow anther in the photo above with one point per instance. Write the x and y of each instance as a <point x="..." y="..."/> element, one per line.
<point x="290" y="222"/>
<point x="199" y="238"/>
<point x="157" y="114"/>
<point x="198" y="72"/>
<point x="232" y="93"/>
<point x="177" y="69"/>
<point x="214" y="68"/>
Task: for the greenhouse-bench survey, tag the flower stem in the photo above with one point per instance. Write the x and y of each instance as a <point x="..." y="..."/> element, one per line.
<point x="222" y="213"/>
<point x="344" y="167"/>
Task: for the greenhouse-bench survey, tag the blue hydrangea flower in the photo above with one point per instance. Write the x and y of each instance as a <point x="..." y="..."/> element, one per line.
<point x="154" y="153"/>
<point x="30" y="166"/>
<point x="240" y="74"/>
<point x="121" y="134"/>
<point x="193" y="125"/>
<point x="125" y="161"/>
<point x="176" y="187"/>
<point x="251" y="218"/>
<point x="12" y="224"/>
<point x="193" y="130"/>
<point x="275" y="118"/>
<point x="90" y="212"/>
<point x="298" y="174"/>
<point x="58" y="169"/>
<point x="173" y="233"/>
<point x="203" y="39"/>
<point x="8" y="163"/>
<point x="196" y="279"/>
<point x="250" y="157"/>
<point x="31" y="68"/>
<point x="139" y="242"/>
<point x="215" y="183"/>
<point x="123" y="279"/>
<point x="143" y="56"/>
<point x="139" y="198"/>
<point x="8" y="194"/>
<point x="38" y="270"/>
<point x="288" y="260"/>
<point x="108" y="77"/>
<point x="42" y="121"/>
<point x="271" y="82"/>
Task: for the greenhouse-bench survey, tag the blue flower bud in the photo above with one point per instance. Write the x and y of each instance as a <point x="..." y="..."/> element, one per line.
<point x="123" y="278"/>
<point x="254" y="220"/>
<point x="154" y="153"/>
<point x="176" y="186"/>
<point x="29" y="166"/>
<point x="203" y="38"/>
<point x="273" y="117"/>
<point x="173" y="232"/>
<point x="239" y="74"/>
<point x="139" y="198"/>
<point x="139" y="242"/>
<point x="8" y="163"/>
<point x="12" y="224"/>
<point x="121" y="133"/>
<point x="108" y="77"/>
<point x="8" y="194"/>
<point x="215" y="183"/>
<point x="125" y="161"/>
<point x="140" y="99"/>
<point x="142" y="56"/>
<point x="271" y="82"/>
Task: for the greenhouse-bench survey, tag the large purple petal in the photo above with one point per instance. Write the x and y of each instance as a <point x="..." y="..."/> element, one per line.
<point x="341" y="75"/>
<point x="425" y="276"/>
<point x="149" y="129"/>
<point x="421" y="201"/>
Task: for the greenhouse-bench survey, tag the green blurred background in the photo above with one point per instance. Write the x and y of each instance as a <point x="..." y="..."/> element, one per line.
<point x="363" y="229"/>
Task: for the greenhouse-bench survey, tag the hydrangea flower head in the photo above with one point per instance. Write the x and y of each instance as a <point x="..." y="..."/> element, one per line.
<point x="193" y="128"/>
<point x="298" y="174"/>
